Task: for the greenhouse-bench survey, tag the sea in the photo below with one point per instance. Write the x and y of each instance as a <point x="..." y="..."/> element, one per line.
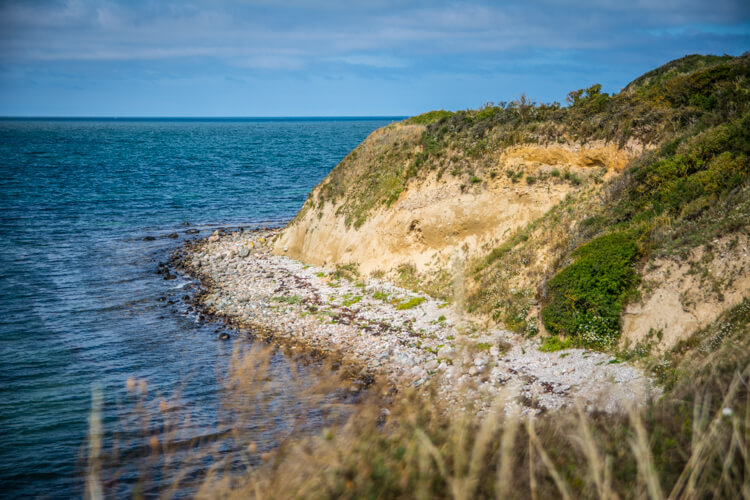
<point x="89" y="208"/>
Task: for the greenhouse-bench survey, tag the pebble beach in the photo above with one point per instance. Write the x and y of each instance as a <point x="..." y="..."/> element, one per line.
<point x="377" y="330"/>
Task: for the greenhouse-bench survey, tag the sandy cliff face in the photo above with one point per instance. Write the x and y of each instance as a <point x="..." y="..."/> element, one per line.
<point x="436" y="220"/>
<point x="439" y="222"/>
<point x="681" y="295"/>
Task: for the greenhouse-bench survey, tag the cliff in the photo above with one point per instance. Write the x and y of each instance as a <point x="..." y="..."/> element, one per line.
<point x="617" y="222"/>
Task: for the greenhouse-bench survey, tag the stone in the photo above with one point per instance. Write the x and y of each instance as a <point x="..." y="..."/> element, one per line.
<point x="244" y="252"/>
<point x="473" y="370"/>
<point x="173" y="236"/>
<point x="214" y="236"/>
<point x="192" y="231"/>
<point x="224" y="336"/>
<point x="149" y="238"/>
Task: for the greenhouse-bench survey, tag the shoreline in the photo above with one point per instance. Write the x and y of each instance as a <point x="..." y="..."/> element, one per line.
<point x="375" y="330"/>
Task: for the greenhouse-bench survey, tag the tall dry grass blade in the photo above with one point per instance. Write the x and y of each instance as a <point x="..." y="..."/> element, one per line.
<point x="532" y="471"/>
<point x="425" y="441"/>
<point x="685" y="484"/>
<point x="503" y="482"/>
<point x="482" y="440"/>
<point x="533" y="438"/>
<point x="727" y="465"/>
<point x="93" y="489"/>
<point x="644" y="460"/>
<point x="598" y="467"/>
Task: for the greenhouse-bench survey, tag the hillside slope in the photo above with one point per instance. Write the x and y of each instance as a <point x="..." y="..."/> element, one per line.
<point x="618" y="221"/>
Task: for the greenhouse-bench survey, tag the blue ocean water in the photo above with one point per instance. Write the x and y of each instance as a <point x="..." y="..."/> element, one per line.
<point x="81" y="305"/>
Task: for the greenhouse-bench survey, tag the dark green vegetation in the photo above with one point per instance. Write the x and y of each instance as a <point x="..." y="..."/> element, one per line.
<point x="586" y="297"/>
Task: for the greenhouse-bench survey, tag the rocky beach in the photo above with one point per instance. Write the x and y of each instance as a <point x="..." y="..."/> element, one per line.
<point x="376" y="330"/>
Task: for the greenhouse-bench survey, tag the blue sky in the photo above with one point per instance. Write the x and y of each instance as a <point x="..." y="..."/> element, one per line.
<point x="337" y="57"/>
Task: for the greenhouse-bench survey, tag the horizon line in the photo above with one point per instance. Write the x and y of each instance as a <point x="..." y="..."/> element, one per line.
<point x="198" y="117"/>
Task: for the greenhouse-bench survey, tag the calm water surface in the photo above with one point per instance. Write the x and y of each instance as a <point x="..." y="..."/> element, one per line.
<point x="80" y="302"/>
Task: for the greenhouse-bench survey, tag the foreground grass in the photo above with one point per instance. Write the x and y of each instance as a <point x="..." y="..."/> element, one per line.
<point x="691" y="443"/>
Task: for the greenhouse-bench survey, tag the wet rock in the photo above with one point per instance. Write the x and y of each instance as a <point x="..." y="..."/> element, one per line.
<point x="173" y="236"/>
<point x="169" y="276"/>
<point x="192" y="231"/>
<point x="224" y="336"/>
<point x="149" y="238"/>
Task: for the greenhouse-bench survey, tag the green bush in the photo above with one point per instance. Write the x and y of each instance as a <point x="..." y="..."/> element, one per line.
<point x="429" y="117"/>
<point x="586" y="297"/>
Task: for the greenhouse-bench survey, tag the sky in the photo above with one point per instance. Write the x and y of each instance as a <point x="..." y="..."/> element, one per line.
<point x="338" y="57"/>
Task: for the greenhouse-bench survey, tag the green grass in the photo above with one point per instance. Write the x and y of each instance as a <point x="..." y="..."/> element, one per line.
<point x="554" y="344"/>
<point x="429" y="117"/>
<point x="409" y="304"/>
<point x="288" y="299"/>
<point x="350" y="300"/>
<point x="348" y="271"/>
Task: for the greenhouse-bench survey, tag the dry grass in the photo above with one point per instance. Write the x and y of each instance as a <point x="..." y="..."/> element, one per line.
<point x="693" y="443"/>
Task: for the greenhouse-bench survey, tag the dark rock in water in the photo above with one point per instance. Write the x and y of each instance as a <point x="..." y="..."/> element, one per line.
<point x="149" y="238"/>
<point x="169" y="276"/>
<point x="241" y="229"/>
<point x="186" y="223"/>
<point x="192" y="231"/>
<point x="174" y="236"/>
<point x="186" y="297"/>
<point x="162" y="299"/>
<point x="224" y="336"/>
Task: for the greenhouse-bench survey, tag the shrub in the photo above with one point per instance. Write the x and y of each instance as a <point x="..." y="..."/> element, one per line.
<point x="586" y="297"/>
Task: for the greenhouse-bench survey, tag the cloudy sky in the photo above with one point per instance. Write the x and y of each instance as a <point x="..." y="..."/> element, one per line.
<point x="337" y="57"/>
